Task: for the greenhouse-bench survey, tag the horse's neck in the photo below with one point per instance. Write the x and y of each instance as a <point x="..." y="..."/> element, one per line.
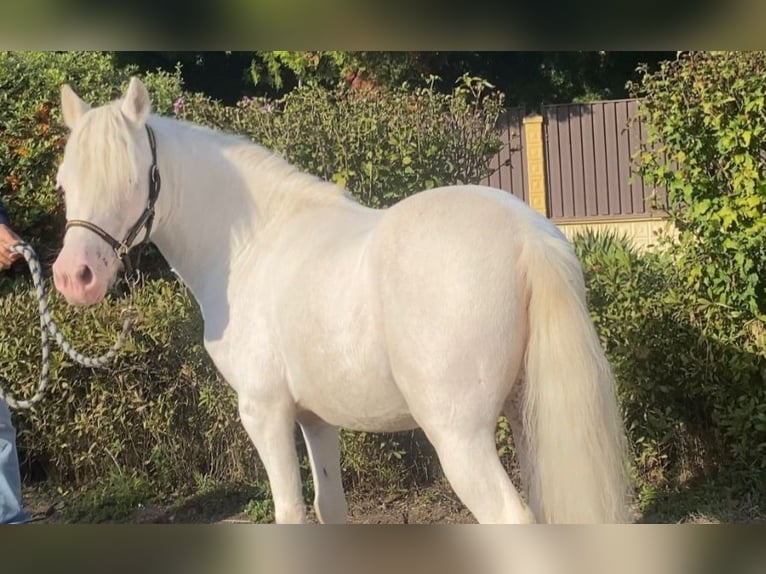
<point x="205" y="215"/>
<point x="217" y="196"/>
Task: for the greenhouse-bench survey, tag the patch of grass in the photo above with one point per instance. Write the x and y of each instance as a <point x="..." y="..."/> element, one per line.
<point x="260" y="509"/>
<point x="116" y="500"/>
<point x="429" y="496"/>
<point x="204" y="483"/>
<point x="214" y="502"/>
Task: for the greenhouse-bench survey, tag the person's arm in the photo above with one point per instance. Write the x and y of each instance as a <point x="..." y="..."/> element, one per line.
<point x="7" y="238"/>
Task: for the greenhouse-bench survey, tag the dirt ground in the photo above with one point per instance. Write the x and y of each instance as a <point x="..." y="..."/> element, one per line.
<point x="434" y="505"/>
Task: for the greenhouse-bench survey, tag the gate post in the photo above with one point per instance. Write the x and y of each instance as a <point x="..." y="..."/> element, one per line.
<point x="533" y="132"/>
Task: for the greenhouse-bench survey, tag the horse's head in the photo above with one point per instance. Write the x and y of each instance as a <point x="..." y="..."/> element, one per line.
<point x="106" y="180"/>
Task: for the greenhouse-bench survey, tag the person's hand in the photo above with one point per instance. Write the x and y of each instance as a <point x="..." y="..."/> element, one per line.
<point x="7" y="239"/>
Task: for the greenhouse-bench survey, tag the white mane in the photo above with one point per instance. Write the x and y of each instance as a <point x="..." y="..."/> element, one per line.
<point x="272" y="179"/>
<point x="101" y="153"/>
<point x="104" y="155"/>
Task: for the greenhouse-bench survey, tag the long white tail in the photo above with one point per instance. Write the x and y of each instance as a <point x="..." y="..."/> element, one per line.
<point x="575" y="436"/>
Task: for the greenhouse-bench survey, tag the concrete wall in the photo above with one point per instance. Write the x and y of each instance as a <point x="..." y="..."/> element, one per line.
<point x="642" y="231"/>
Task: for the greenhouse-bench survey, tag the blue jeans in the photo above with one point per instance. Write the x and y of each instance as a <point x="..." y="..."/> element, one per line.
<point x="11" y="510"/>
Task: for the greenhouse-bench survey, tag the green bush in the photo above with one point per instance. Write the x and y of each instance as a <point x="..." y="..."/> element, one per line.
<point x="382" y="145"/>
<point x="705" y="115"/>
<point x="706" y="121"/>
<point x="627" y="298"/>
<point x="675" y="381"/>
<point x="160" y="409"/>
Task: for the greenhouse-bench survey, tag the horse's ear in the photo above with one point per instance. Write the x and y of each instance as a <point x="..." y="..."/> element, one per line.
<point x="136" y="105"/>
<point x="72" y="106"/>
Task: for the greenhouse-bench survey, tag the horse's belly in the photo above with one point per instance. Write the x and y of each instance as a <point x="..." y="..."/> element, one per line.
<point x="328" y="329"/>
<point x="363" y="397"/>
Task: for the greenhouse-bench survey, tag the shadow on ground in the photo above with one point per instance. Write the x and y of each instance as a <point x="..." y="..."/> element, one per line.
<point x="216" y="505"/>
<point x="706" y="501"/>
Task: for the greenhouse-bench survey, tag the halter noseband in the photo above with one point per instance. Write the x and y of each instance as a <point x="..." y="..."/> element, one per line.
<point x="145" y="220"/>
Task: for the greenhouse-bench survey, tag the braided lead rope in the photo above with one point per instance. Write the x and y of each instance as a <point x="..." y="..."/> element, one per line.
<point x="48" y="326"/>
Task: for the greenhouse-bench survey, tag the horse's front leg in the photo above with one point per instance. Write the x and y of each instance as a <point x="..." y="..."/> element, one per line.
<point x="270" y="425"/>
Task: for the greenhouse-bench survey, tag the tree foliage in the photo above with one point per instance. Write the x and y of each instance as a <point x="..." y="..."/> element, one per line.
<point x="528" y="78"/>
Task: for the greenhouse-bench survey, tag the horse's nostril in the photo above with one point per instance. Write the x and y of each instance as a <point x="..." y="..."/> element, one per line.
<point x="84" y="275"/>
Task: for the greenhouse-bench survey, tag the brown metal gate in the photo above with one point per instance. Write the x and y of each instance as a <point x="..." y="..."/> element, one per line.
<point x="588" y="151"/>
<point x="510" y="164"/>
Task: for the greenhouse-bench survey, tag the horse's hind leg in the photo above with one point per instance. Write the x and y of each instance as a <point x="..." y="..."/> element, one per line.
<point x="513" y="412"/>
<point x="460" y="420"/>
<point x="472" y="467"/>
<point x="323" y="445"/>
<point x="457" y="406"/>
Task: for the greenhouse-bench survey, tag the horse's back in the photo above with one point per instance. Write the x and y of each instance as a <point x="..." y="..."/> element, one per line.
<point x="483" y="212"/>
<point x="454" y="235"/>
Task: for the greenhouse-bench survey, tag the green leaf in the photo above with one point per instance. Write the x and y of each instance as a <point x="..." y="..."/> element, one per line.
<point x="340" y="179"/>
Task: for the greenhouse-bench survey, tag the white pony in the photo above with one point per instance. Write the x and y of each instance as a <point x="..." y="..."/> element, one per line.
<point x="441" y="312"/>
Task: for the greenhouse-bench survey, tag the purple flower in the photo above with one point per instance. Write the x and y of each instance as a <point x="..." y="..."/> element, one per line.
<point x="178" y="105"/>
<point x="266" y="108"/>
<point x="246" y="100"/>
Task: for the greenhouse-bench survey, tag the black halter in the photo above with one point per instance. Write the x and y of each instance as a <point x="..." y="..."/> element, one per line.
<point x="122" y="248"/>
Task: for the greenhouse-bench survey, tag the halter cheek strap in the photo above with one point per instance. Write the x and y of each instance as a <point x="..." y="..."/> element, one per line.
<point x="145" y="220"/>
